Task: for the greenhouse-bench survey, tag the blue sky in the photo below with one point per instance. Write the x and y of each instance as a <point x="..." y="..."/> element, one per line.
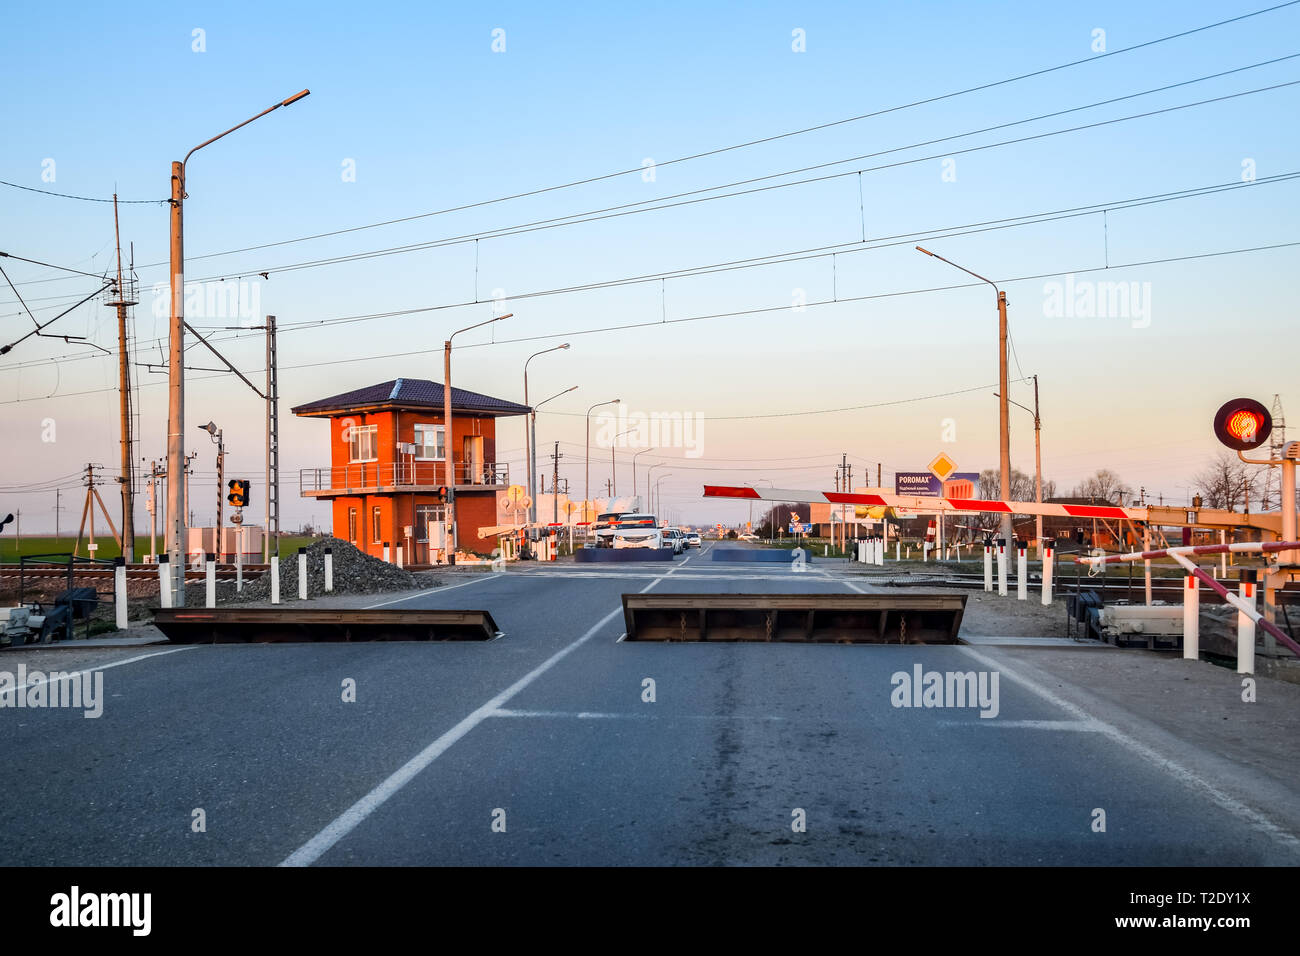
<point x="413" y="97"/>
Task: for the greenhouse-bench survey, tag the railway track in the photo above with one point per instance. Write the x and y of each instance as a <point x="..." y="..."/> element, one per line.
<point x="134" y="572"/>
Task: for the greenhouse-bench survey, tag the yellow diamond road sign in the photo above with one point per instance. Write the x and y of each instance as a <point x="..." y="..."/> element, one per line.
<point x="942" y="467"/>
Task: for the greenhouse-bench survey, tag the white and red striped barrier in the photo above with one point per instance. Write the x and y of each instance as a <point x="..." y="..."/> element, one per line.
<point x="920" y="504"/>
<point x="1195" y="575"/>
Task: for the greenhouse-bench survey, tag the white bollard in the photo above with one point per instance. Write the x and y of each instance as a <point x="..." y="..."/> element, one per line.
<point x="329" y="570"/>
<point x="164" y="580"/>
<point x="386" y="552"/>
<point x="1022" y="572"/>
<point x="988" y="566"/>
<point x="1002" y="567"/>
<point x="1246" y="625"/>
<point x="239" y="562"/>
<point x="925" y="551"/>
<point x="1192" y="619"/>
<point x="1049" y="554"/>
<point x="898" y="551"/>
<point x="399" y="555"/>
<point x="119" y="592"/>
<point x="275" y="579"/>
<point x="302" y="574"/>
<point x="210" y="575"/>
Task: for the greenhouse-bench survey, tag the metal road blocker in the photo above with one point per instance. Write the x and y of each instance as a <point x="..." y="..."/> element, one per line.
<point x="274" y="625"/>
<point x="795" y="618"/>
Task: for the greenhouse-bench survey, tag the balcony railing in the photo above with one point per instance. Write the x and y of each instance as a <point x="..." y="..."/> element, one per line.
<point x="374" y="476"/>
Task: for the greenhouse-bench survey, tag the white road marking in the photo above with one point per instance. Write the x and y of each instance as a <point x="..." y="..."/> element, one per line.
<point x="597" y="715"/>
<point x="1152" y="757"/>
<point x="487" y="576"/>
<point x="104" y="667"/>
<point x="1087" y="726"/>
<point x="355" y="815"/>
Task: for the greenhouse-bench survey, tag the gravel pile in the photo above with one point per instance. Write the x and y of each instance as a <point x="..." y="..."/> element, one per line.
<point x="355" y="572"/>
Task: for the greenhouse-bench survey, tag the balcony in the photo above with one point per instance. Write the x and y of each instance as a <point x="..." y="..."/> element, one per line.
<point x="378" y="478"/>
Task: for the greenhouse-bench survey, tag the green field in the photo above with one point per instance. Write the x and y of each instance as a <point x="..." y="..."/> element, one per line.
<point x="11" y="549"/>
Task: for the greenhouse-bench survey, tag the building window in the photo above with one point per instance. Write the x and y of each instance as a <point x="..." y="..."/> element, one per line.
<point x="429" y="443"/>
<point x="426" y="515"/>
<point x="352" y="525"/>
<point x="362" y="443"/>
<point x="376" y="532"/>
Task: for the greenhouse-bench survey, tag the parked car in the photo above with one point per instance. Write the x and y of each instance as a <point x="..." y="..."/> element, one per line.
<point x="693" y="539"/>
<point x="747" y="536"/>
<point x="636" y="531"/>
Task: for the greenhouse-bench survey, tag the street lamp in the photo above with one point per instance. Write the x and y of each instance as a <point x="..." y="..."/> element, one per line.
<point x="1038" y="467"/>
<point x="212" y="429"/>
<point x="641" y="452"/>
<point x="449" y="446"/>
<point x="586" y="492"/>
<point x="1004" y="414"/>
<point x="613" y="469"/>
<point x="555" y="512"/>
<point x="530" y="440"/>
<point x="659" y="501"/>
<point x="176" y="517"/>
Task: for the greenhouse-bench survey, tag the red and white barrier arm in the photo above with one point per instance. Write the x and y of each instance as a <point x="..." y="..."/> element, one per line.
<point x="1180" y="555"/>
<point x="922" y="504"/>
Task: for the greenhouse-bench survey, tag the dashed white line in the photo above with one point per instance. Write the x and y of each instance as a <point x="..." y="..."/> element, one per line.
<point x="355" y="815"/>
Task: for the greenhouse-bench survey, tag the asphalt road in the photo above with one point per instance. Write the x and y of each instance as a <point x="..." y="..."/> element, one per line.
<point x="545" y="730"/>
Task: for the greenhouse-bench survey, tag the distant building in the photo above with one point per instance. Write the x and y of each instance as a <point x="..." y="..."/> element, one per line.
<point x="389" y="468"/>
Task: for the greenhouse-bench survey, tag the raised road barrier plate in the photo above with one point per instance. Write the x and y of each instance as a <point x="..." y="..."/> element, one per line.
<point x="910" y="618"/>
<point x="765" y="555"/>
<point x="614" y="555"/>
<point x="274" y="625"/>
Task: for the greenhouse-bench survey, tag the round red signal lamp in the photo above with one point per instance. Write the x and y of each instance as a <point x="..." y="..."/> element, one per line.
<point x="1243" y="424"/>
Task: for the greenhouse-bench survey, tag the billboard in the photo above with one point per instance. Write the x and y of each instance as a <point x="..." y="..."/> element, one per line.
<point x="960" y="484"/>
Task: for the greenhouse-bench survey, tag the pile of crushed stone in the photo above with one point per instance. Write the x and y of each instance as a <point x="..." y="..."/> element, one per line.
<point x="355" y="572"/>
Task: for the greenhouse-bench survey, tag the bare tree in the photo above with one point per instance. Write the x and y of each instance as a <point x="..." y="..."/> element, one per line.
<point x="1106" y="486"/>
<point x="1228" y="482"/>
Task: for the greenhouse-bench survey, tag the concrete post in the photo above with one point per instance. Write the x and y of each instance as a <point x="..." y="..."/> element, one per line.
<point x="119" y="592"/>
<point x="329" y="570"/>
<point x="1022" y="572"/>
<point x="275" y="579"/>
<point x="302" y="574"/>
<point x="988" y="565"/>
<point x="1192" y="619"/>
<point x="1002" y="566"/>
<point x="210" y="577"/>
<point x="1049" y="559"/>
<point x="399" y="556"/>
<point x="165" y="580"/>
<point x="1246" y="624"/>
<point x="387" y="558"/>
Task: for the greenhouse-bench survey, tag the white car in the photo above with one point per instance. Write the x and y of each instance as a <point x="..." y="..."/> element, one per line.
<point x="747" y="536"/>
<point x="636" y="531"/>
<point x="693" y="539"/>
<point x="673" y="539"/>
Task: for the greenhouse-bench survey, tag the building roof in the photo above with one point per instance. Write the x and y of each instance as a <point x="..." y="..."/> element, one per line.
<point x="411" y="393"/>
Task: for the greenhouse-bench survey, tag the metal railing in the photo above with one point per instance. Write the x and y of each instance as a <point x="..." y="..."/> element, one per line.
<point x="407" y="474"/>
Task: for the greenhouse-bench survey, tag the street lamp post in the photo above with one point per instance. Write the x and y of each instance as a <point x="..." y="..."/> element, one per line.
<point x="1038" y="466"/>
<point x="448" y="447"/>
<point x="1004" y="414"/>
<point x="613" y="469"/>
<point x="586" y="491"/>
<point x="530" y="439"/>
<point x="212" y="429"/>
<point x="659" y="501"/>
<point x="177" y="520"/>
<point x="554" y="491"/>
<point x="641" y="452"/>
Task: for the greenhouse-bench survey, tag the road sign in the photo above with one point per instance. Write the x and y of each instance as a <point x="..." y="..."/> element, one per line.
<point x="515" y="494"/>
<point x="797" y="528"/>
<point x="570" y="507"/>
<point x="942" y="466"/>
<point x="527" y="502"/>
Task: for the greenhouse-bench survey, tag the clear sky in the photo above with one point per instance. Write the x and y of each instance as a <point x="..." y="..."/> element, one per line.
<point x="412" y="112"/>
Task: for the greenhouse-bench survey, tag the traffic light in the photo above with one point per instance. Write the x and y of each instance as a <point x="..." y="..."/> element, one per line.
<point x="442" y="492"/>
<point x="238" y="488"/>
<point x="1242" y="424"/>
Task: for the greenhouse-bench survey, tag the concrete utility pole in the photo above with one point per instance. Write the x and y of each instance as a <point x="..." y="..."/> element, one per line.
<point x="271" y="539"/>
<point x="555" y="484"/>
<point x="448" y="446"/>
<point x="176" y="517"/>
<point x="642" y="452"/>
<point x="121" y="298"/>
<point x="530" y="437"/>
<point x="1004" y="413"/>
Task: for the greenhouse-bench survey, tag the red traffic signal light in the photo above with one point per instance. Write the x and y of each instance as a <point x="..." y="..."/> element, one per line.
<point x="1243" y="424"/>
<point x="238" y="488"/>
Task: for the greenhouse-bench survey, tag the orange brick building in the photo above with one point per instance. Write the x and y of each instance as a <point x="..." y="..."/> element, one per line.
<point x="388" y="467"/>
